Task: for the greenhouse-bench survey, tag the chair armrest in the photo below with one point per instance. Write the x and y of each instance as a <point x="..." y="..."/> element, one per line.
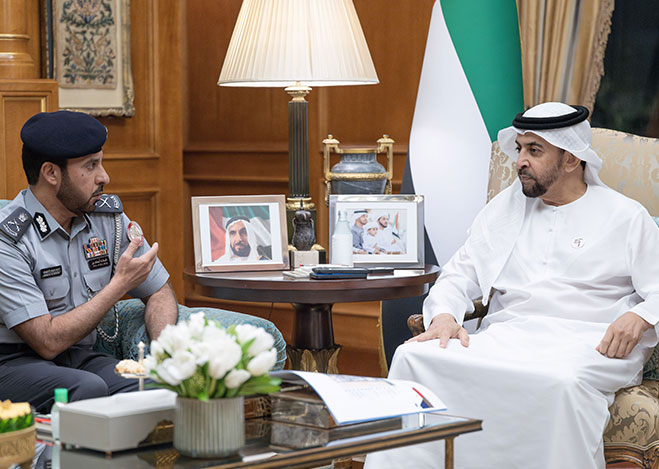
<point x="415" y="324"/>
<point x="415" y="321"/>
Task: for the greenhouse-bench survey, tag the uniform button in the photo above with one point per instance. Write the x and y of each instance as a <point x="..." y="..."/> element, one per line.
<point x="75" y="274"/>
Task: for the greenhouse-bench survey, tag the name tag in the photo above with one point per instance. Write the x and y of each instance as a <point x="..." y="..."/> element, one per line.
<point x="51" y="272"/>
<point x="98" y="262"/>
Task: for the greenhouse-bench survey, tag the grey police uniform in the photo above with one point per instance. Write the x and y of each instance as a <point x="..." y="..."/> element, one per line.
<point x="46" y="270"/>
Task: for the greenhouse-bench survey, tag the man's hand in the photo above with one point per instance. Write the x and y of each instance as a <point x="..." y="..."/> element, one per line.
<point x="443" y="327"/>
<point x="132" y="271"/>
<point x="622" y="335"/>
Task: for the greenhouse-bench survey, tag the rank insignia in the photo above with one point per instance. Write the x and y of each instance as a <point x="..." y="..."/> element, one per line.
<point x="109" y="203"/>
<point x="16" y="224"/>
<point x="95" y="248"/>
<point x="42" y="224"/>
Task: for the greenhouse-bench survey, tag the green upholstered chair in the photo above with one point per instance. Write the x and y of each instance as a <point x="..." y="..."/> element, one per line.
<point x="631" y="166"/>
<point x="132" y="329"/>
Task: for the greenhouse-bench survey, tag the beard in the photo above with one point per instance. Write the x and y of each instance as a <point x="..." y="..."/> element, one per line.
<point x="536" y="186"/>
<point x="241" y="249"/>
<point x="73" y="199"/>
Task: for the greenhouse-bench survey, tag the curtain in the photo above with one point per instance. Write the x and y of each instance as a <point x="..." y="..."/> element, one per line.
<point x="563" y="44"/>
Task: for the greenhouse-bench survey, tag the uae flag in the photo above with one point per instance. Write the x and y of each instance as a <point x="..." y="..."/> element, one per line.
<point x="470" y="88"/>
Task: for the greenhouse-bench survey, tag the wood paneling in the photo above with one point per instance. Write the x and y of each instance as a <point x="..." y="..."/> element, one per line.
<point x="236" y="140"/>
<point x="19" y="100"/>
<point x="143" y="154"/>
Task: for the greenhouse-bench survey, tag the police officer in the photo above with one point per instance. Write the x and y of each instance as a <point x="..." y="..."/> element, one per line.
<point x="59" y="276"/>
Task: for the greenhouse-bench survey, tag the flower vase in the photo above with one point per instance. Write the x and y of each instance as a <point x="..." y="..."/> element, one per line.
<point x="211" y="429"/>
<point x="351" y="163"/>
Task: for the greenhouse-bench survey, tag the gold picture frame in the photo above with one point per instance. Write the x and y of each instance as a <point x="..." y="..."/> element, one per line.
<point x="240" y="233"/>
<point x="106" y="90"/>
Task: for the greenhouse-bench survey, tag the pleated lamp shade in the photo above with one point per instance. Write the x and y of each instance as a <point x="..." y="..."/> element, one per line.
<point x="278" y="43"/>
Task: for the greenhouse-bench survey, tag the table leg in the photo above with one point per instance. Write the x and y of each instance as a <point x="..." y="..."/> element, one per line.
<point x="448" y="455"/>
<point x="314" y="348"/>
<point x="313" y="326"/>
<point x="320" y="360"/>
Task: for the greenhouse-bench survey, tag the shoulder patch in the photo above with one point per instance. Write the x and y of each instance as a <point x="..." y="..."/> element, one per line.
<point x="16" y="224"/>
<point x="109" y="203"/>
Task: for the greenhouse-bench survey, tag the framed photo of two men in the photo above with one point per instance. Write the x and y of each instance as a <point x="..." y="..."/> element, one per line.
<point x="234" y="233"/>
<point x="387" y="230"/>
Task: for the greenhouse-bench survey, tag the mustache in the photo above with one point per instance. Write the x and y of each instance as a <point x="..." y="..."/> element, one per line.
<point x="98" y="191"/>
<point x="524" y="172"/>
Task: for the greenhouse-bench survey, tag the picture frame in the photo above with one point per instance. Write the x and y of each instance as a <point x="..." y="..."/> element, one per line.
<point x="240" y="233"/>
<point x="392" y="228"/>
<point x="86" y="48"/>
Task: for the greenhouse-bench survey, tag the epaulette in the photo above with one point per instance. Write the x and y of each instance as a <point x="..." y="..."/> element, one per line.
<point x="109" y="203"/>
<point x="16" y="224"/>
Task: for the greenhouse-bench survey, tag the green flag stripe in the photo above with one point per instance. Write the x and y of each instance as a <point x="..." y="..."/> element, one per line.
<point x="485" y="35"/>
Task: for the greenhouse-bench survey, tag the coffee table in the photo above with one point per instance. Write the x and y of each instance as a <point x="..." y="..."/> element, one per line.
<point x="313" y="347"/>
<point x="417" y="428"/>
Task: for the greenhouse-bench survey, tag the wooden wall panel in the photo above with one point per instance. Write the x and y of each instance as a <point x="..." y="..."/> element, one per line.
<point x="143" y="154"/>
<point x="19" y="100"/>
<point x="236" y="140"/>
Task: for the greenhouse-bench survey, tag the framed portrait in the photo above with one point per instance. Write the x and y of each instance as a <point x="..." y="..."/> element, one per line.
<point x="233" y="233"/>
<point x="86" y="47"/>
<point x="387" y="230"/>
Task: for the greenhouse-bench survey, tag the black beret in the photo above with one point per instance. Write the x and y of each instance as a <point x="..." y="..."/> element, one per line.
<point x="63" y="134"/>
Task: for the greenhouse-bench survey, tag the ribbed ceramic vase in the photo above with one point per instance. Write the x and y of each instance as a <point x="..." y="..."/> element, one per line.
<point x="210" y="429"/>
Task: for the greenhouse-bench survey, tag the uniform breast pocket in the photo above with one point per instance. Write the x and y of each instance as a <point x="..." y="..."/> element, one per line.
<point x="55" y="292"/>
<point x="96" y="280"/>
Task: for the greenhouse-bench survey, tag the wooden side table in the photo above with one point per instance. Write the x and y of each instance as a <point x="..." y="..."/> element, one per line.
<point x="314" y="348"/>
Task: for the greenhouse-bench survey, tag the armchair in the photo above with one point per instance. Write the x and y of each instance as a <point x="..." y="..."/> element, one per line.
<point x="132" y="329"/>
<point x="631" y="166"/>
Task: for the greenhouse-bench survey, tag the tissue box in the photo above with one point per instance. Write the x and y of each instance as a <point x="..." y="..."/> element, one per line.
<point x="119" y="422"/>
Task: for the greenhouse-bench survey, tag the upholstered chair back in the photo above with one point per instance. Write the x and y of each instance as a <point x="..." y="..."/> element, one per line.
<point x="630" y="166"/>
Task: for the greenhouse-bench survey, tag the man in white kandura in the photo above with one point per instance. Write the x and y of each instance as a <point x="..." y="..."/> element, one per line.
<point x="240" y="242"/>
<point x="574" y="270"/>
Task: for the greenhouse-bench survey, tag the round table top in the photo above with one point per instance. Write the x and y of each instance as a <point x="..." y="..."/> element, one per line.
<point x="273" y="286"/>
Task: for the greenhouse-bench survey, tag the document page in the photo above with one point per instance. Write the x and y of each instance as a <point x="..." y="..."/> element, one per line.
<point x="352" y="399"/>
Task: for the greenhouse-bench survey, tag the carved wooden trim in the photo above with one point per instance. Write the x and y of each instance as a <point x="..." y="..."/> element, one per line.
<point x="645" y="457"/>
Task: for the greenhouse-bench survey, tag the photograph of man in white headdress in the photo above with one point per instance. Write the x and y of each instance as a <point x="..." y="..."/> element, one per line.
<point x="359" y="220"/>
<point x="240" y="234"/>
<point x="389" y="240"/>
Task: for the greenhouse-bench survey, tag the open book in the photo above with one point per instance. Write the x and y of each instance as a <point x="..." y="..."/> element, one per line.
<point x="353" y="399"/>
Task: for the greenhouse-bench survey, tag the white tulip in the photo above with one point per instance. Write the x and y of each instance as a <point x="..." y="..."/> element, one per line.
<point x="262" y="341"/>
<point x="212" y="333"/>
<point x="185" y="364"/>
<point x="235" y="378"/>
<point x="157" y="352"/>
<point x="262" y="363"/>
<point x="225" y="356"/>
<point x="175" y="337"/>
<point x="168" y="372"/>
<point x="150" y="363"/>
<point x="196" y="324"/>
<point x="245" y="332"/>
<point x="202" y="352"/>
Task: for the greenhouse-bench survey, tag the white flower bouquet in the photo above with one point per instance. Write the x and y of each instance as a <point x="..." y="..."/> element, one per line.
<point x="200" y="359"/>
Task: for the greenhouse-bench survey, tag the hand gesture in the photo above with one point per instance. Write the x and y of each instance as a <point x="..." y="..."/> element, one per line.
<point x="622" y="335"/>
<point x="132" y="271"/>
<point x="443" y="327"/>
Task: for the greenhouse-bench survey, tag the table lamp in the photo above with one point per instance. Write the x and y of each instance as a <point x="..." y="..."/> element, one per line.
<point x="297" y="44"/>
